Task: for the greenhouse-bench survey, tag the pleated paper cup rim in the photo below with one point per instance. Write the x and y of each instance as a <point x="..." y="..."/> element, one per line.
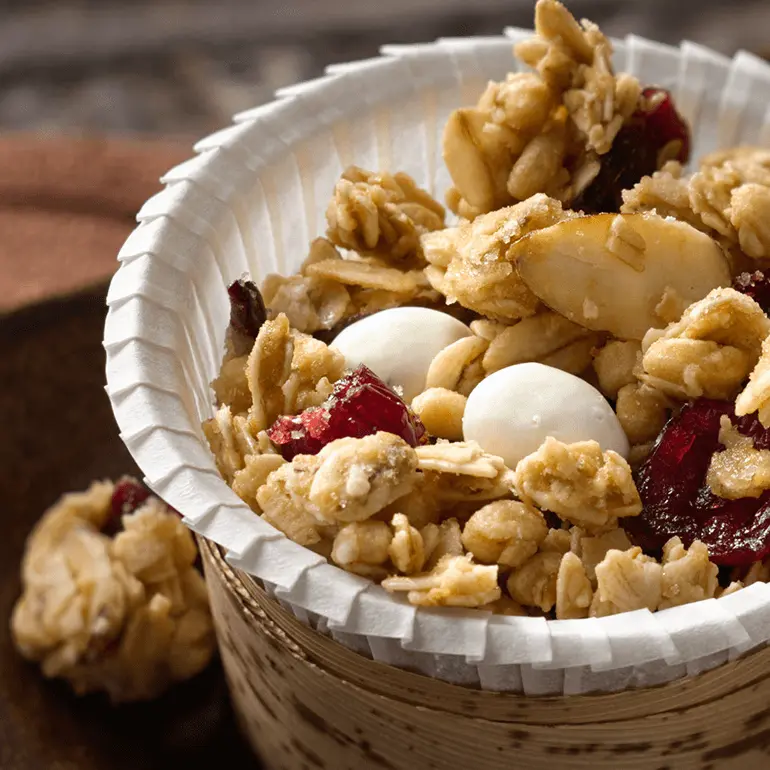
<point x="167" y="316"/>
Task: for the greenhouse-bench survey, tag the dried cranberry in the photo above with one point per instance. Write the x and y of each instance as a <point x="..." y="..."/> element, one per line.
<point x="127" y="495"/>
<point x="634" y="151"/>
<point x="630" y="158"/>
<point x="756" y="286"/>
<point x="360" y="404"/>
<point x="677" y="500"/>
<point x="247" y="308"/>
<point x="663" y="123"/>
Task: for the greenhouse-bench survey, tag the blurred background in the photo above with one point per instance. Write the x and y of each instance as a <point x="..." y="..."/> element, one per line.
<point x="184" y="66"/>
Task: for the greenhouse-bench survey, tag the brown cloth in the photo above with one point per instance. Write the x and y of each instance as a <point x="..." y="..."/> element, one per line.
<point x="67" y="205"/>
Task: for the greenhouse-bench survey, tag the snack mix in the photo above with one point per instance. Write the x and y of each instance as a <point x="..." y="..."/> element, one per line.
<point x="580" y="244"/>
<point x="112" y="600"/>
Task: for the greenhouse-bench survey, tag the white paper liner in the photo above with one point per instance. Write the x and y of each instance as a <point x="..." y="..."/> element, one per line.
<point x="251" y="200"/>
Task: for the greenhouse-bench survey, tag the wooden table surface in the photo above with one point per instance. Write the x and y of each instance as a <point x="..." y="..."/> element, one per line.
<point x="58" y="434"/>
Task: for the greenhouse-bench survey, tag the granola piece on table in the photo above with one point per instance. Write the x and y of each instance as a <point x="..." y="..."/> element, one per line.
<point x="127" y="614"/>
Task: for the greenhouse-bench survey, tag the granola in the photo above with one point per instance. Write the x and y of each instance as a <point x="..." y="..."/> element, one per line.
<point x="728" y="197"/>
<point x="582" y="245"/>
<point x="284" y="500"/>
<point x="349" y="480"/>
<point x="665" y="192"/>
<point x="687" y="574"/>
<point x="615" y="366"/>
<point x="442" y="540"/>
<point x="362" y="547"/>
<point x="557" y="540"/>
<point x="458" y="367"/>
<point x="381" y="215"/>
<point x="309" y="302"/>
<point x="544" y="131"/>
<point x="574" y="593"/>
<point x="710" y="350"/>
<point x="420" y="505"/>
<point x="441" y="412"/>
<point x="332" y="288"/>
<point x="463" y="472"/>
<point x="469" y="264"/>
<point x="127" y="615"/>
<point x="755" y="397"/>
<point x="592" y="550"/>
<point x="505" y="532"/>
<point x="231" y="387"/>
<point x="579" y="483"/>
<point x="533" y="584"/>
<point x="221" y="434"/>
<point x="454" y="582"/>
<point x="626" y="580"/>
<point x="536" y="338"/>
<point x="642" y="411"/>
<point x="253" y="475"/>
<point x="267" y="370"/>
<point x="740" y="470"/>
<point x="406" y="549"/>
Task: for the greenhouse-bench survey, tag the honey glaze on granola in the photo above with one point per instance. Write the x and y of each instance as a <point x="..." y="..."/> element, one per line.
<point x="582" y="247"/>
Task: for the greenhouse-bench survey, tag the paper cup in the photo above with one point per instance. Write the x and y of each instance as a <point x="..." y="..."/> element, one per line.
<point x="251" y="201"/>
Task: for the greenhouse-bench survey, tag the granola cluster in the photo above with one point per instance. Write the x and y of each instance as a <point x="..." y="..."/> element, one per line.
<point x="708" y="352"/>
<point x="127" y="614"/>
<point x="636" y="300"/>
<point x="378" y="221"/>
<point x="542" y="131"/>
<point x="728" y="197"/>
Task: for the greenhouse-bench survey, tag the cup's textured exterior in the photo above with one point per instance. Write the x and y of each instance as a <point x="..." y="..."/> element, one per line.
<point x="305" y="701"/>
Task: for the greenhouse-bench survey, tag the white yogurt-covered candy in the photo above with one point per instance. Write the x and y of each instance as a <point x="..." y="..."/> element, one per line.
<point x="399" y="344"/>
<point x="514" y="410"/>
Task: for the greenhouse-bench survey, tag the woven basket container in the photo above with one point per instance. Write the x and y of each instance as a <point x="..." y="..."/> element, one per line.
<point x="305" y="701"/>
<point x="327" y="670"/>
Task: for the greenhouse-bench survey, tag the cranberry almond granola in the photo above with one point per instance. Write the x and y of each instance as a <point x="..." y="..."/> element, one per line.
<point x="581" y="246"/>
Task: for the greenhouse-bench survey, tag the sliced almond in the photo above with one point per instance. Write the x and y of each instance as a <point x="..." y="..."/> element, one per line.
<point x="465" y="161"/>
<point x="575" y="264"/>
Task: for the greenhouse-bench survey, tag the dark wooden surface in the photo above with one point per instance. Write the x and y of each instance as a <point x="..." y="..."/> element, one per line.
<point x="56" y="434"/>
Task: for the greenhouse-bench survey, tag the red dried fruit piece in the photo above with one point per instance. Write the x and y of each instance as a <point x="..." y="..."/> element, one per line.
<point x="247" y="308"/>
<point x="630" y="158"/>
<point x="677" y="501"/>
<point x="127" y="495"/>
<point x="663" y="124"/>
<point x="360" y="404"/>
<point x="756" y="286"/>
<point x="635" y="150"/>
